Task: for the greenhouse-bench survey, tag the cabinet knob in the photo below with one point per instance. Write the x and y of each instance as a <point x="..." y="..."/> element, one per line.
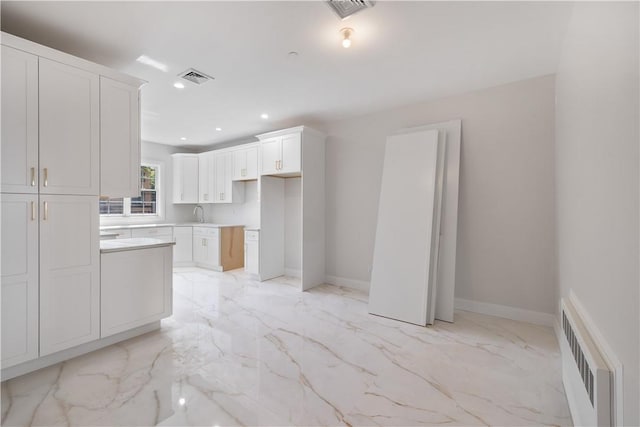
<point x="46" y="211"/>
<point x="46" y="177"/>
<point x="33" y="210"/>
<point x="33" y="177"/>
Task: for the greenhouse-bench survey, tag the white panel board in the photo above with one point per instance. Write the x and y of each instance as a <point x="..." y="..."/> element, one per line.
<point x="313" y="210"/>
<point x="405" y="239"/>
<point x="449" y="137"/>
<point x="271" y="227"/>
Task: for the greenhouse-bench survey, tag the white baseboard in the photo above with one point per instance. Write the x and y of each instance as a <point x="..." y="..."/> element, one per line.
<point x="513" y="313"/>
<point x="360" y="285"/>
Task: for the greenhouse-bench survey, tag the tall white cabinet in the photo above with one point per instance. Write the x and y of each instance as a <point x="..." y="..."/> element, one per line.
<point x="69" y="143"/>
<point x="292" y="154"/>
<point x="69" y="272"/>
<point x="20" y="219"/>
<point x="54" y="112"/>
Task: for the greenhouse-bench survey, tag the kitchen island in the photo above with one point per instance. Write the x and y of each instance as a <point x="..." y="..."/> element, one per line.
<point x="136" y="283"/>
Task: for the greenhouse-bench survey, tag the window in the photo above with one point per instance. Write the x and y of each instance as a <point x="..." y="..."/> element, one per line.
<point x="146" y="205"/>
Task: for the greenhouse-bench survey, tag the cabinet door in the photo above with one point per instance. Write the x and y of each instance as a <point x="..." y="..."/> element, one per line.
<point x="206" y="180"/>
<point x="291" y="154"/>
<point x="185" y="178"/>
<point x="183" y="250"/>
<point x="19" y="278"/>
<point x="19" y="121"/>
<point x="251" y="257"/>
<point x="69" y="129"/>
<point x="69" y="272"/>
<point x="271" y="151"/>
<point x="119" y="139"/>
<point x="213" y="251"/>
<point x="199" y="249"/>
<point x="239" y="165"/>
<point x="251" y="168"/>
<point x="220" y="166"/>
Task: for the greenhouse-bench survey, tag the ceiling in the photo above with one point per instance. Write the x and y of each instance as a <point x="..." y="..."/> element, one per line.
<point x="402" y="53"/>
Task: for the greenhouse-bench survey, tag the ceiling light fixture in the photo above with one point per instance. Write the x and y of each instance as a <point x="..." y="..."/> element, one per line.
<point x="178" y="85"/>
<point x="346" y="37"/>
<point x="183" y="138"/>
<point x="264" y="116"/>
<point x="218" y="129"/>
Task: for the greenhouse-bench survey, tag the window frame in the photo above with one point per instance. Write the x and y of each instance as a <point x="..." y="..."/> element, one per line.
<point x="127" y="217"/>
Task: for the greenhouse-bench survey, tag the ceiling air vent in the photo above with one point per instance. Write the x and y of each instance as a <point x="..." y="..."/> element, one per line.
<point x="346" y="8"/>
<point x="195" y="76"/>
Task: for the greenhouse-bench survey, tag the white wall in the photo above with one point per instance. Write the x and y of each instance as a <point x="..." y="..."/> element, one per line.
<point x="246" y="213"/>
<point x="597" y="178"/>
<point x="506" y="237"/>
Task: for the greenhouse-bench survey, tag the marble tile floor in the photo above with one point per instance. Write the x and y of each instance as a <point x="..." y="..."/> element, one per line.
<point x="241" y="352"/>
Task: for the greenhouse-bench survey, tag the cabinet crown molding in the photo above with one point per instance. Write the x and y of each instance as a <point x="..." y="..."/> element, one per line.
<point x="289" y="131"/>
<point x="59" y="56"/>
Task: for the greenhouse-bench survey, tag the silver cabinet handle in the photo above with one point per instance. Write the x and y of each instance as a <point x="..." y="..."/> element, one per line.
<point x="33" y="210"/>
<point x="46" y="177"/>
<point x="46" y="211"/>
<point x="33" y="177"/>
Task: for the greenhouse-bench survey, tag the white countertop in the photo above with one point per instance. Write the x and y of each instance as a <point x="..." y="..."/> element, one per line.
<point x="185" y="224"/>
<point x="117" y="245"/>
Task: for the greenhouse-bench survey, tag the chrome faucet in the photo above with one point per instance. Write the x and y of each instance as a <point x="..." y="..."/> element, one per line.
<point x="195" y="213"/>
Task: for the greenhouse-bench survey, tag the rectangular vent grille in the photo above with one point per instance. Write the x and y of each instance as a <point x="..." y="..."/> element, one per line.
<point x="578" y="355"/>
<point x="195" y="76"/>
<point x="346" y="8"/>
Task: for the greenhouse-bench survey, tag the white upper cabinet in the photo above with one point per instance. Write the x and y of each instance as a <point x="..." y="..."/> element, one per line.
<point x="245" y="163"/>
<point x="281" y="155"/>
<point x="69" y="101"/>
<point x="185" y="178"/>
<point x="271" y="150"/>
<point x="69" y="272"/>
<point x="19" y="121"/>
<point x="119" y="139"/>
<point x="206" y="181"/>
<point x="19" y="278"/>
<point x="226" y="190"/>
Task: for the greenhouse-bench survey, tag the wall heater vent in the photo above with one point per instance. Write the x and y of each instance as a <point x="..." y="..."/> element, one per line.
<point x="345" y="8"/>
<point x="585" y="374"/>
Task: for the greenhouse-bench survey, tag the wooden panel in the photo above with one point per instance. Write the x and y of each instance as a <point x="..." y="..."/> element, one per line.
<point x="19" y="278"/>
<point x="119" y="139"/>
<point x="401" y="286"/>
<point x="136" y="288"/>
<point x="231" y="248"/>
<point x="19" y="121"/>
<point x="69" y="130"/>
<point x="69" y="272"/>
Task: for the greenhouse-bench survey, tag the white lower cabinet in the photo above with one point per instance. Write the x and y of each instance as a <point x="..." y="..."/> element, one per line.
<point x="19" y="278"/>
<point x="252" y="251"/>
<point x="183" y="250"/>
<point x="206" y="247"/>
<point x="136" y="288"/>
<point x="69" y="272"/>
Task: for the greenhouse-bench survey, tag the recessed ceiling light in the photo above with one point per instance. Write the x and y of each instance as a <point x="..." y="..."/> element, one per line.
<point x="264" y="116"/>
<point x="144" y="59"/>
<point x="178" y="85"/>
<point x="183" y="138"/>
<point x="218" y="129"/>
